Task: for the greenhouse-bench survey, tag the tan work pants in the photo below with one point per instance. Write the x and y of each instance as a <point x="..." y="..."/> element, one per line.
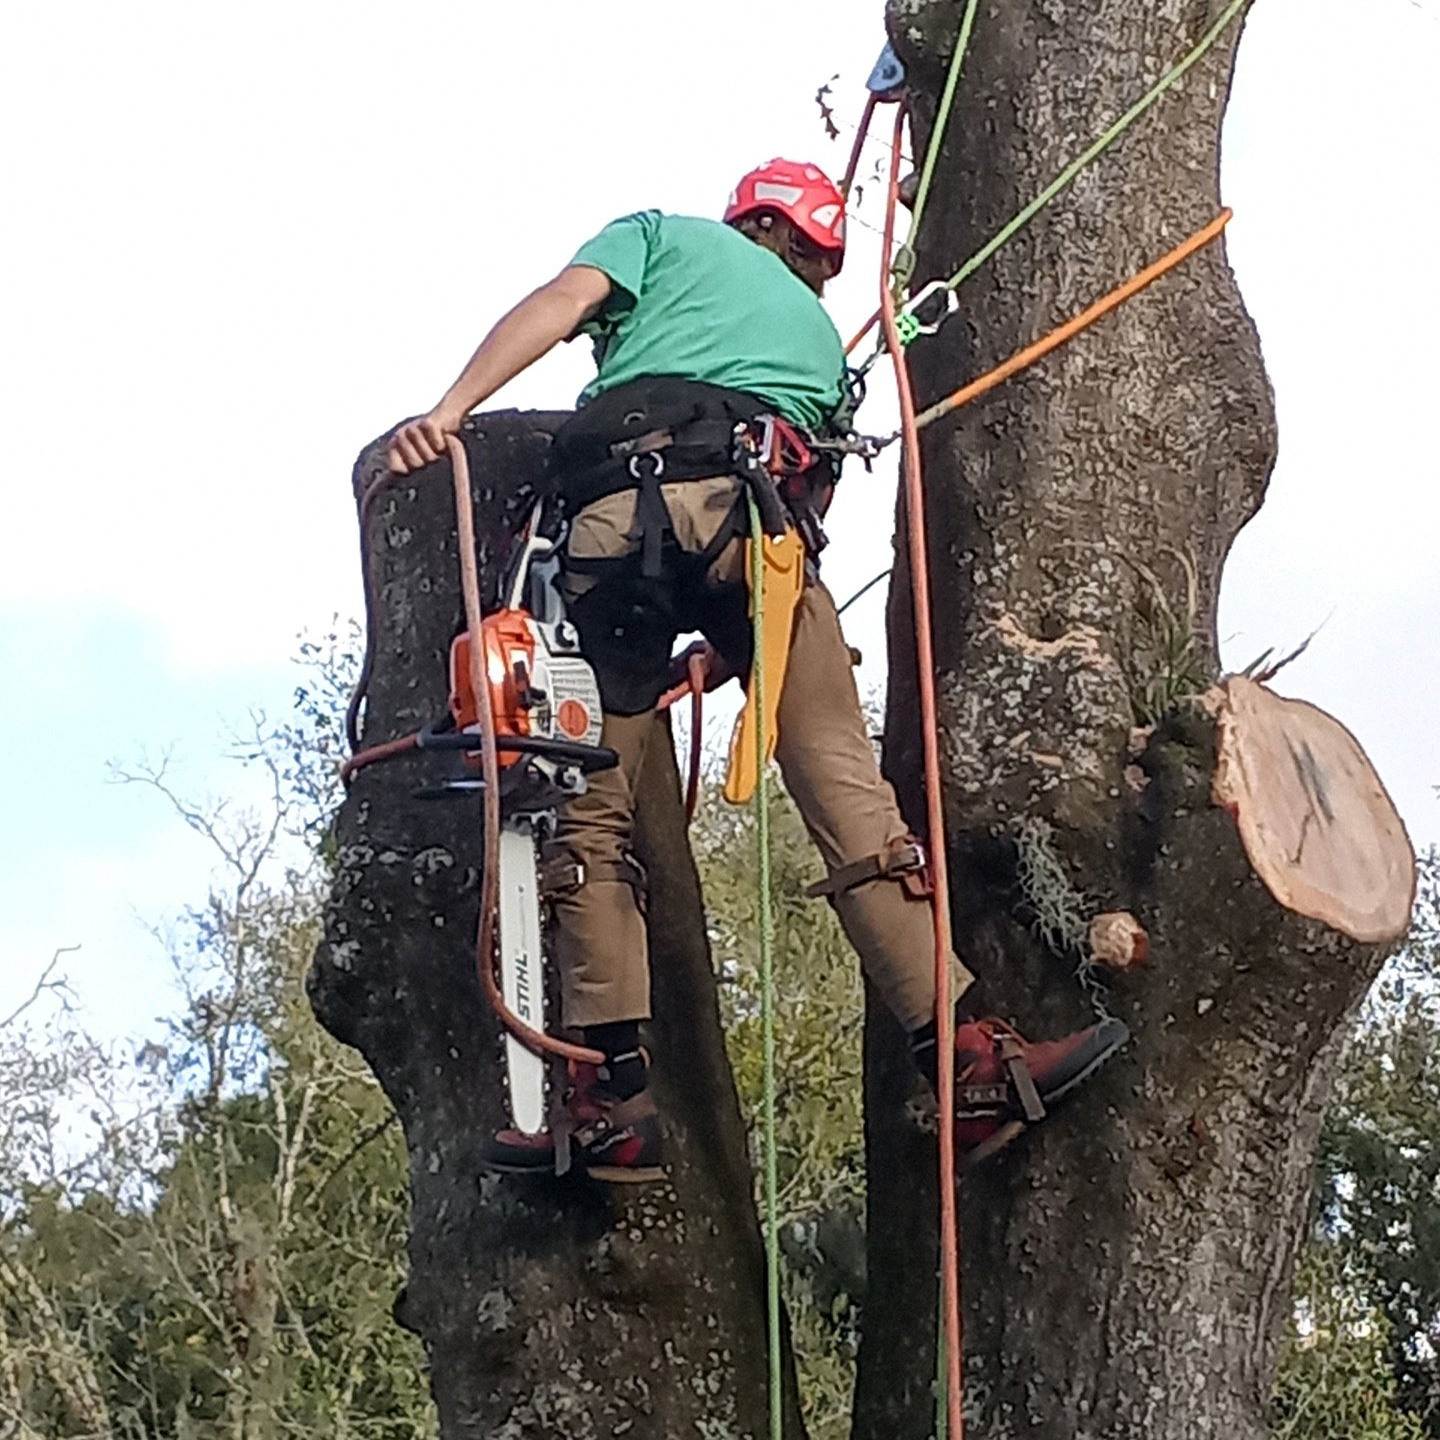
<point x="830" y="769"/>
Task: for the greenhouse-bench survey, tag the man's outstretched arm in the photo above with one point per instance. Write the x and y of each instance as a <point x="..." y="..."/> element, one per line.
<point x="534" y="327"/>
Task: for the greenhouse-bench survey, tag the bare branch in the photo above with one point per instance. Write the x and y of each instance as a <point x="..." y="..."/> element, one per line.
<point x="43" y="984"/>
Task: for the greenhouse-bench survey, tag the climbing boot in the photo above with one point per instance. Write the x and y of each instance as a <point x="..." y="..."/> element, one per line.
<point x="1004" y="1082"/>
<point x="594" y="1132"/>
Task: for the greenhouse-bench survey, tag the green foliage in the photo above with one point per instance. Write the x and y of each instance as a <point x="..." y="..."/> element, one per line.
<point x="1335" y="1381"/>
<point x="1379" y="1198"/>
<point x="223" y="1263"/>
<point x="1169" y="662"/>
<point x="820" y="1139"/>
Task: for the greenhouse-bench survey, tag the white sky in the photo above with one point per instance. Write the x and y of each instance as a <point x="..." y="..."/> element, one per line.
<point x="244" y="240"/>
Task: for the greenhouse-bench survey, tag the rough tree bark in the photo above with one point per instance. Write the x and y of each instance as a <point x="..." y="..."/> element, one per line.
<point x="1128" y="1263"/>
<point x="547" y="1307"/>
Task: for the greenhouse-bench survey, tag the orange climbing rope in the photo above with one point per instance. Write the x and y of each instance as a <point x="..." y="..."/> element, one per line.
<point x="935" y="815"/>
<point x="1023" y="359"/>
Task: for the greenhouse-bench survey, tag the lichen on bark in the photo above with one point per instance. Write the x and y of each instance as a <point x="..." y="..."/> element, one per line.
<point x="546" y="1306"/>
<point x="1127" y="1263"/>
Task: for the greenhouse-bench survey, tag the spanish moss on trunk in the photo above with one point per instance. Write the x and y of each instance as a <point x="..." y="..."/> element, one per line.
<point x="1127" y="1264"/>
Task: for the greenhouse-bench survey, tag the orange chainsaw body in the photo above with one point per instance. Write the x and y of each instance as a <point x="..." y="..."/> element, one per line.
<point x="539" y="684"/>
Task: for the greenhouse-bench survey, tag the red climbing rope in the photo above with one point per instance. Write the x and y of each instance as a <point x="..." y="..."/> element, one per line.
<point x="361" y="758"/>
<point x="695" y="671"/>
<point x="935" y="815"/>
<point x="861" y="131"/>
<point x="489" y="761"/>
<point x="490" y="772"/>
<point x="703" y="671"/>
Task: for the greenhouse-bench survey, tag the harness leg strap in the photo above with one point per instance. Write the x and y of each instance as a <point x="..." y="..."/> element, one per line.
<point x="904" y="861"/>
<point x="652" y="518"/>
<point x="563" y="874"/>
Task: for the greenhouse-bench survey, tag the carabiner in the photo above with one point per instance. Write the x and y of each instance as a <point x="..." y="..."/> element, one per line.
<point x="913" y="304"/>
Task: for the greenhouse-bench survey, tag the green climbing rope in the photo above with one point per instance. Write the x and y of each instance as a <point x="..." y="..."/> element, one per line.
<point x="942" y="122"/>
<point x="1102" y="144"/>
<point x="767" y="979"/>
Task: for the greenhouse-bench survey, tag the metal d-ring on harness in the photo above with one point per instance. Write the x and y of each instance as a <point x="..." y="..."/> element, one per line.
<point x="647" y="469"/>
<point x="658" y="432"/>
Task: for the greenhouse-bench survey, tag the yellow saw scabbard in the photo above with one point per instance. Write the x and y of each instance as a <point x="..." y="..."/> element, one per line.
<point x="782" y="580"/>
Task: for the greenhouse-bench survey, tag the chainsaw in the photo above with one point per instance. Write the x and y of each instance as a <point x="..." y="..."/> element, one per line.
<point x="546" y="706"/>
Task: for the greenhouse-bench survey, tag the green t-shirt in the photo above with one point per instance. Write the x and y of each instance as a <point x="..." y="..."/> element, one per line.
<point x="697" y="298"/>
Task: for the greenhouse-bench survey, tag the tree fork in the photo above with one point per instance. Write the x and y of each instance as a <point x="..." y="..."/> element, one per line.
<point x="546" y="1306"/>
<point x="1128" y="1262"/>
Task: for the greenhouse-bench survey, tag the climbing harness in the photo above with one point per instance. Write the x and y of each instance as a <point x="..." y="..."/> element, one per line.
<point x="664" y="430"/>
<point x="904" y="859"/>
<point x="673" y="430"/>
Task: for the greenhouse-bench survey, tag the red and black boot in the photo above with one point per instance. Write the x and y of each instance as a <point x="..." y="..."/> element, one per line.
<point x="1004" y="1083"/>
<point x="606" y="1137"/>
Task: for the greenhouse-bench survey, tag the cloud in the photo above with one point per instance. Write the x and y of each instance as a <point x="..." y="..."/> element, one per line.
<point x="253" y="238"/>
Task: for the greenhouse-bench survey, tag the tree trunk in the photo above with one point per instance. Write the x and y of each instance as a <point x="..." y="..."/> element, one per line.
<point x="1127" y="1263"/>
<point x="548" y="1307"/>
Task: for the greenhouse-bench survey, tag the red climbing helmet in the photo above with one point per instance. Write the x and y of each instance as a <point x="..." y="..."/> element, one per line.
<point x="802" y="193"/>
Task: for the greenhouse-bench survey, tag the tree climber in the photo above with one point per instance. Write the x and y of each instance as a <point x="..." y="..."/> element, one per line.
<point x="701" y="327"/>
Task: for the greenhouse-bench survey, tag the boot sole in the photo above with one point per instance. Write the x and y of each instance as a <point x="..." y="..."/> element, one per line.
<point x="1014" y="1129"/>
<point x="625" y="1175"/>
<point x="1122" y="1038"/>
<point x="504" y="1167"/>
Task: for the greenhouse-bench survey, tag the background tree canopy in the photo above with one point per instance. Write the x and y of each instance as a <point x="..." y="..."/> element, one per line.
<point x="220" y="1257"/>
